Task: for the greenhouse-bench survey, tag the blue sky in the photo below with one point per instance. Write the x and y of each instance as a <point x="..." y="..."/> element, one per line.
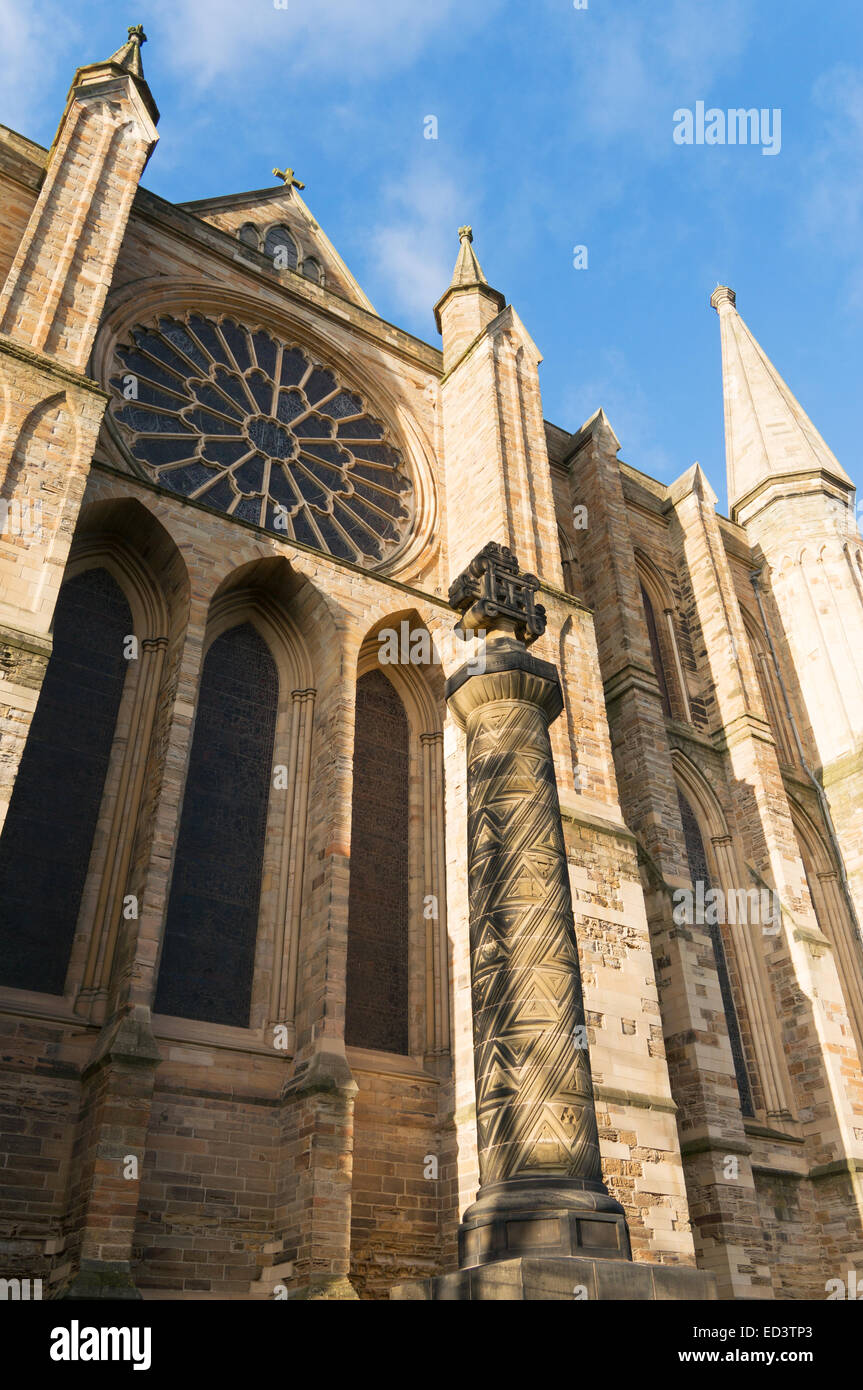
<point x="555" y="130"/>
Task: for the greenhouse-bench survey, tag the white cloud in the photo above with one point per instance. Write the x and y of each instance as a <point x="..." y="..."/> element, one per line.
<point x="647" y="60"/>
<point x="413" y="247"/>
<point x="210" y="39"/>
<point x="31" y="39"/>
<point x="830" y="193"/>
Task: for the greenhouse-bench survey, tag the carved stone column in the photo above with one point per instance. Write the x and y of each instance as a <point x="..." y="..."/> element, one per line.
<point x="541" y="1189"/>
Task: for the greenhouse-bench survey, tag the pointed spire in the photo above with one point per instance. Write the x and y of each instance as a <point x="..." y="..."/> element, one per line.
<point x="128" y="56"/>
<point x="468" y="279"/>
<point x="468" y="270"/>
<point x="767" y="432"/>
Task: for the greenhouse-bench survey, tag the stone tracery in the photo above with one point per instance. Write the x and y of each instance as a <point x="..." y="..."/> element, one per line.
<point x="252" y="426"/>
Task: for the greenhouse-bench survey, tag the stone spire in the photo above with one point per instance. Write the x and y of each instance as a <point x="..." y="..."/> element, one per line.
<point x="128" y="56"/>
<point x="768" y="434"/>
<point x="468" y="304"/>
<point x="468" y="270"/>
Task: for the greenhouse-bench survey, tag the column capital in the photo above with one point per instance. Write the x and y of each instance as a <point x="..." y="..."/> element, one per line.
<point x="509" y="673"/>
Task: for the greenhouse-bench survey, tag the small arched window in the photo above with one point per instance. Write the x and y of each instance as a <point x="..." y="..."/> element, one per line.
<point x="280" y="246"/>
<point x="248" y="234"/>
<point x="211" y="930"/>
<point x="656" y="652"/>
<point x="51" y="821"/>
<point x="312" y="269"/>
<point x="377" y="968"/>
<point x="569" y="563"/>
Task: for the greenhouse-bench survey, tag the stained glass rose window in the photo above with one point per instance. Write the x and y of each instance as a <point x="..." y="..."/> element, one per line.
<point x="257" y="428"/>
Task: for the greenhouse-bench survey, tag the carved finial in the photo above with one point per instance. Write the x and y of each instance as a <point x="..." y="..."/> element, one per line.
<point x="723" y="295"/>
<point x="465" y="233"/>
<point x="129" y="55"/>
<point x="287" y="177"/>
<point x="491" y="593"/>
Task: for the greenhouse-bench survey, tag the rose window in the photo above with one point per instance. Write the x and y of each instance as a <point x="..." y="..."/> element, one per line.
<point x="251" y="426"/>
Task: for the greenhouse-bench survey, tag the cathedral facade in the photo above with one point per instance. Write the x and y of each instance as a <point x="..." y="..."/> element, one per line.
<point x="237" y="1002"/>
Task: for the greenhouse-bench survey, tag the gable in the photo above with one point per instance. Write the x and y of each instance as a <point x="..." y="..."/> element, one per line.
<point x="307" y="249"/>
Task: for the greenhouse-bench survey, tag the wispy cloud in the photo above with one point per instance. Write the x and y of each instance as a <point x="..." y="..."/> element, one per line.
<point x="215" y="39"/>
<point x="31" y="42"/>
<point x="412" y="248"/>
<point x="648" y="60"/>
<point x="830" y="194"/>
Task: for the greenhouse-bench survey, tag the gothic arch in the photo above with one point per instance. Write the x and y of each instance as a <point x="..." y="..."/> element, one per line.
<point x="124" y="541"/>
<point x="420" y="691"/>
<point x="831" y="911"/>
<point x="258" y="597"/>
<point x="51" y="827"/>
<point x="126" y="538"/>
<point x="698" y="791"/>
<point x="276" y="234"/>
<point x="569" y="562"/>
<point x="768" y="684"/>
<point x="749" y="1006"/>
<point x="249" y="235"/>
<point x="659" y="611"/>
<point x="51" y="430"/>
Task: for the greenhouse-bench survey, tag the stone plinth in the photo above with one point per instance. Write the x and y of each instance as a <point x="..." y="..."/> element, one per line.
<point x="562" y="1281"/>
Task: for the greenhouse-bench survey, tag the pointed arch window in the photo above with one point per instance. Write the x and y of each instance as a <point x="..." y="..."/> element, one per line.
<point x="48" y="835"/>
<point x="656" y="652"/>
<point x="699" y="873"/>
<point x="377" y="963"/>
<point x="280" y="246"/>
<point x="312" y="270"/>
<point x="211" y="930"/>
<point x="248" y="234"/>
<point x="569" y="563"/>
<point x="771" y="694"/>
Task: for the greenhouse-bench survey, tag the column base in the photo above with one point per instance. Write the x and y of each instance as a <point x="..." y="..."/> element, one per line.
<point x="562" y="1281"/>
<point x="543" y="1218"/>
<point x="335" y="1289"/>
<point x="99" y="1280"/>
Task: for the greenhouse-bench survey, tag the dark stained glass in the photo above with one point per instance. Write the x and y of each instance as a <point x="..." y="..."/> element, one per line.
<point x="281" y="246"/>
<point x="377" y="970"/>
<point x="48" y="835"/>
<point x="213" y="392"/>
<point x="209" y="950"/>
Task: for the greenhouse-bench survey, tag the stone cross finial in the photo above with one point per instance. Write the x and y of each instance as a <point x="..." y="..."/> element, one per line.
<point x="287" y="177"/>
<point x="136" y="34"/>
<point x="491" y="593"/>
<point x="465" y="233"/>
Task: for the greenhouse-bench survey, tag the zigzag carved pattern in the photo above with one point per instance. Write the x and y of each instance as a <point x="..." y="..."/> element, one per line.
<point x="534" y="1095"/>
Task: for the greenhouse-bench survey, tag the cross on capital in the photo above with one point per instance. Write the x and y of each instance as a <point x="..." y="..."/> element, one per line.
<point x="287" y="177"/>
